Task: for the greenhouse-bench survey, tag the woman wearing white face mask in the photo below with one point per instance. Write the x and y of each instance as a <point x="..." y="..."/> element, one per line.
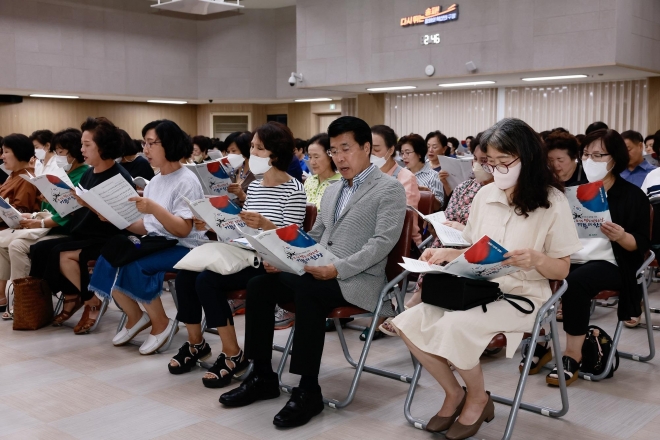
<point x="605" y="263"/>
<point x="238" y="154"/>
<point x="526" y="212"/>
<point x="15" y="262"/>
<point x="44" y="151"/>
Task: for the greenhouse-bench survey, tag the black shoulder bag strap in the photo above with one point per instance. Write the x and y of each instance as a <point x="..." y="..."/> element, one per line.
<point x="507" y="297"/>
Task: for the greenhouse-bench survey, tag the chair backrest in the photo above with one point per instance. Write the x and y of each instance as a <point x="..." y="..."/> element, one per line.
<point x="310" y="217"/>
<point x="425" y="206"/>
<point x="401" y="248"/>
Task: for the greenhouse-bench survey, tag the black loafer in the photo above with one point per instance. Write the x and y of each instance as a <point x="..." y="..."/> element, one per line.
<point x="255" y="387"/>
<point x="301" y="407"/>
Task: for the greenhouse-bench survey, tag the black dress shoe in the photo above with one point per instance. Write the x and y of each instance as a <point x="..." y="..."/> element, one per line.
<point x="301" y="407"/>
<point x="254" y="387"/>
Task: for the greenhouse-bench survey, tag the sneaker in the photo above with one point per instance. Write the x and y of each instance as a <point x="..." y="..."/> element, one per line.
<point x="283" y="319"/>
<point x="237" y="306"/>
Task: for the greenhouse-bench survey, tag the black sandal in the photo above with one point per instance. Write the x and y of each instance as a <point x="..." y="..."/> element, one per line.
<point x="240" y="365"/>
<point x="377" y="335"/>
<point x="186" y="358"/>
<point x="330" y="324"/>
<point x="571" y="370"/>
<point x="542" y="355"/>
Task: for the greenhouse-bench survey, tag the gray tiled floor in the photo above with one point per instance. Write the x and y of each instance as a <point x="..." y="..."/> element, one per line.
<point x="55" y="385"/>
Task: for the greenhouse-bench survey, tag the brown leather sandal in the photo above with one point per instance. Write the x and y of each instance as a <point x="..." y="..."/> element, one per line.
<point x="86" y="323"/>
<point x="66" y="314"/>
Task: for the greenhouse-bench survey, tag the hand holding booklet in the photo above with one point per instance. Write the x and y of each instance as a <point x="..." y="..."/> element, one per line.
<point x="57" y="190"/>
<point x="110" y="199"/>
<point x="481" y="261"/>
<point x="9" y="214"/>
<point x="590" y="208"/>
<point x="447" y="235"/>
<point x="459" y="170"/>
<point x="214" y="178"/>
<point x="221" y="215"/>
<point x="290" y="249"/>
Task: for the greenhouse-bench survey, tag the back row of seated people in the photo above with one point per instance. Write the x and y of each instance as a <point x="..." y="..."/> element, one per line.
<point x="359" y="220"/>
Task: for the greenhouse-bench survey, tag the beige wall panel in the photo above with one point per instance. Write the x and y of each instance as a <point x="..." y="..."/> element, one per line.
<point x="257" y="115"/>
<point x="371" y="108"/>
<point x="653" y="105"/>
<point x="300" y="120"/>
<point x="57" y="114"/>
<point x="277" y="109"/>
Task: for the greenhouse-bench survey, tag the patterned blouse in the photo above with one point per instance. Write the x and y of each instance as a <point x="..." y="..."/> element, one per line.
<point x="315" y="190"/>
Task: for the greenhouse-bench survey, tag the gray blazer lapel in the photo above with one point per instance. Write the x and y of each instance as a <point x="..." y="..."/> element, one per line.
<point x="366" y="186"/>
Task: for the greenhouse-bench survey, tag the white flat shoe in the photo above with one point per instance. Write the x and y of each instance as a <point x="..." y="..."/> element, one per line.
<point x="154" y="342"/>
<point x="126" y="334"/>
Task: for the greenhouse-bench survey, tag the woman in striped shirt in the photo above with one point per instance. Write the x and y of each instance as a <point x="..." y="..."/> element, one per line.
<point x="413" y="149"/>
<point x="274" y="200"/>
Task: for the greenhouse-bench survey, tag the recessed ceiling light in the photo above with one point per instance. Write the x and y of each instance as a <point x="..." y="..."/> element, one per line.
<point x="165" y="101"/>
<point x="467" y="84"/>
<point x="548" y="78"/>
<point x="385" y="89"/>
<point x="37" y="95"/>
<point x="313" y="99"/>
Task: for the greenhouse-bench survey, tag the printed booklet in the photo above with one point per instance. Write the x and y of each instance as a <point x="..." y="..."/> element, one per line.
<point x="590" y="208"/>
<point x="459" y="170"/>
<point x="289" y="249"/>
<point x="481" y="261"/>
<point x="57" y="190"/>
<point x="214" y="178"/>
<point x="221" y="215"/>
<point x="9" y="214"/>
<point x="449" y="236"/>
<point x="110" y="199"/>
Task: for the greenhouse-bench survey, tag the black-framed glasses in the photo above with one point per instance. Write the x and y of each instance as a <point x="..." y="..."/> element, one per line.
<point x="502" y="168"/>
<point x="149" y="144"/>
<point x="595" y="156"/>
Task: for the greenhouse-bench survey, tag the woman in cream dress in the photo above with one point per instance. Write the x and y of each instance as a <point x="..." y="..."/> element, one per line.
<point x="525" y="211"/>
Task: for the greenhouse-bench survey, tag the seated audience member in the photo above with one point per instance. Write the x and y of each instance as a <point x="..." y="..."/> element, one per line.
<point x="651" y="184"/>
<point x="413" y="150"/>
<point x="201" y="147"/>
<point x="238" y="143"/>
<point x="275" y="201"/>
<point x="563" y="158"/>
<point x="17" y="150"/>
<point x="166" y="215"/>
<point x="295" y="170"/>
<point x="579" y="138"/>
<point x="63" y="262"/>
<point x="638" y="168"/>
<point x="599" y="125"/>
<point x="324" y="170"/>
<point x="648" y="144"/>
<point x="453" y="145"/>
<point x="136" y="165"/>
<point x="300" y="151"/>
<point x="525" y="211"/>
<point x="44" y="151"/>
<point x="468" y="143"/>
<point x="436" y="144"/>
<point x="361" y="221"/>
<point x="604" y="263"/>
<point x="458" y="208"/>
<point x="219" y="145"/>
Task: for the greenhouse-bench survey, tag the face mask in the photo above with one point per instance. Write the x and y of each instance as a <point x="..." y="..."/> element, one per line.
<point x="198" y="158"/>
<point x="235" y="160"/>
<point x="594" y="170"/>
<point x="508" y="180"/>
<point x="378" y="161"/>
<point x="259" y="165"/>
<point x="40" y="154"/>
<point x="480" y="174"/>
<point x="62" y="162"/>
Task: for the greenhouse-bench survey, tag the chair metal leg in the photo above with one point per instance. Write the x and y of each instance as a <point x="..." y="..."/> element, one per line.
<point x="649" y="332"/>
<point x="122" y="322"/>
<point x="60" y="304"/>
<point x="286" y="351"/>
<point x="417" y="423"/>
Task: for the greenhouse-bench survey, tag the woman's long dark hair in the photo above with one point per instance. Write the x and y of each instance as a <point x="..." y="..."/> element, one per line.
<point x="513" y="136"/>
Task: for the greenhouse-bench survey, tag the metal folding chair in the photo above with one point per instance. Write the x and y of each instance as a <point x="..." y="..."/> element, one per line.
<point x="396" y="288"/>
<point x="546" y="314"/>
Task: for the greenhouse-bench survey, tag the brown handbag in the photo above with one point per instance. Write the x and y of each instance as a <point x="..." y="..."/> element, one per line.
<point x="33" y="304"/>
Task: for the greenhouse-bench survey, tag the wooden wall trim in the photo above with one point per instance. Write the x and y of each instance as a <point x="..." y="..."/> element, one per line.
<point x="653" y="104"/>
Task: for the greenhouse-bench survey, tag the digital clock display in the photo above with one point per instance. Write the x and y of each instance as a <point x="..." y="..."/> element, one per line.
<point x="430" y="39"/>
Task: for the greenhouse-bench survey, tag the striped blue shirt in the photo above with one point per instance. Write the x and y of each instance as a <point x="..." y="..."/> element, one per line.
<point x="428" y="178"/>
<point x="347" y="191"/>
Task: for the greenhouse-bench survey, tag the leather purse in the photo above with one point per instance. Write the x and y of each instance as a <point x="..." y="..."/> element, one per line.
<point x="457" y="293"/>
<point x="33" y="304"/>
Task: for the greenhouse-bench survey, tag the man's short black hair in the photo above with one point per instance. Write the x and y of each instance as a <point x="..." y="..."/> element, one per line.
<point x="175" y="142"/>
<point x="106" y="136"/>
<point x="69" y="140"/>
<point x="598" y="125"/>
<point x="242" y="139"/>
<point x="633" y="136"/>
<point x="202" y="142"/>
<point x="350" y="124"/>
<point x="614" y="146"/>
<point x="43" y="137"/>
<point x="278" y="139"/>
<point x="20" y="145"/>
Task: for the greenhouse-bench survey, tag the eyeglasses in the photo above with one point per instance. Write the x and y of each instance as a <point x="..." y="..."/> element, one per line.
<point x="149" y="144"/>
<point x="595" y="156"/>
<point x="407" y="153"/>
<point x="343" y="149"/>
<point x="502" y="168"/>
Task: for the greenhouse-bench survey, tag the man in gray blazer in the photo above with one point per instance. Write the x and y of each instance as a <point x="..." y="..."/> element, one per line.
<point x="360" y="221"/>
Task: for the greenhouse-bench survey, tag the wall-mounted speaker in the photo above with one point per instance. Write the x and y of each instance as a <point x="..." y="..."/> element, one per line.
<point x="10" y="99"/>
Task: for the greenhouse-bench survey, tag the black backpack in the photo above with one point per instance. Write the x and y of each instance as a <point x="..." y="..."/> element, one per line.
<point x="595" y="351"/>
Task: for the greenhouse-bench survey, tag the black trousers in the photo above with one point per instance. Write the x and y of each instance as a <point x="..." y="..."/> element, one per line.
<point x="313" y="298"/>
<point x="208" y="290"/>
<point x="584" y="282"/>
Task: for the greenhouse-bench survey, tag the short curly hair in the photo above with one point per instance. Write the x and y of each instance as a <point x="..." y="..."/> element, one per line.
<point x="614" y="145"/>
<point x="69" y="140"/>
<point x="417" y="142"/>
<point x="20" y="145"/>
<point x="176" y="142"/>
<point x="559" y="140"/>
<point x="278" y="139"/>
<point x="106" y="136"/>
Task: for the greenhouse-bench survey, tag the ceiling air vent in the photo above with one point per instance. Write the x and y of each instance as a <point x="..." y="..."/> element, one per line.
<point x="199" y="7"/>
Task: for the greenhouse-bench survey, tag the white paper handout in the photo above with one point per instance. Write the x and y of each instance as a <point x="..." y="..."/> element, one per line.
<point x="290" y="249"/>
<point x="447" y="235"/>
<point x="481" y="261"/>
<point x="214" y="154"/>
<point x="9" y="214"/>
<point x="110" y="199"/>
<point x="459" y="170"/>
<point x="214" y="178"/>
<point x="590" y="208"/>
<point x="221" y="215"/>
<point x="57" y="190"/>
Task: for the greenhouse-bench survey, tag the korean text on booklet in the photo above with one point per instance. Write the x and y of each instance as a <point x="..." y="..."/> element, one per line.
<point x="290" y="249"/>
<point x="110" y="199"/>
<point x="57" y="190"/>
<point x="590" y="208"/>
<point x="9" y="214"/>
<point x="214" y="178"/>
<point x="221" y="215"/>
<point x="449" y="236"/>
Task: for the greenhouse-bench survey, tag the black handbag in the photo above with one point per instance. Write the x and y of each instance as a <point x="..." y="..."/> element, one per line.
<point x="121" y="250"/>
<point x="457" y="293"/>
